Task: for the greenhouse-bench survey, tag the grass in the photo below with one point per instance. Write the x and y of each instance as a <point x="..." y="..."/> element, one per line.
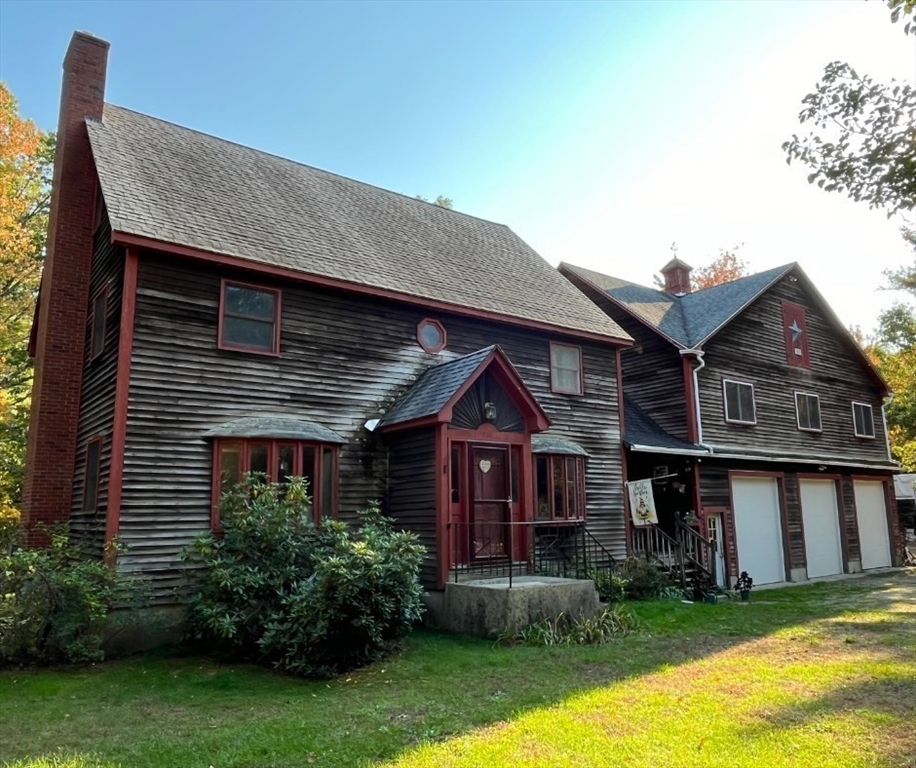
<point x="820" y="675"/>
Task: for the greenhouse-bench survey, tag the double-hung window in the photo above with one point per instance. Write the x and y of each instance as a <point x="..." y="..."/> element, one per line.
<point x="249" y="318"/>
<point x="808" y="412"/>
<point x="739" y="402"/>
<point x="565" y="369"/>
<point x="863" y="420"/>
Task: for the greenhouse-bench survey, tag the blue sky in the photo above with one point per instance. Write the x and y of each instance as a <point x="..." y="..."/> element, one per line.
<point x="600" y="132"/>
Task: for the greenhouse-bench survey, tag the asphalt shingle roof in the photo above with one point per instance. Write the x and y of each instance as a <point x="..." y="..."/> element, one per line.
<point x="687" y="320"/>
<point x="435" y="388"/>
<point x="641" y="430"/>
<point x="275" y="425"/>
<point x="176" y="185"/>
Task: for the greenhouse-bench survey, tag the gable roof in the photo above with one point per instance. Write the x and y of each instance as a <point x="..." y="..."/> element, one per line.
<point x="441" y="386"/>
<point x="176" y="186"/>
<point x="687" y="321"/>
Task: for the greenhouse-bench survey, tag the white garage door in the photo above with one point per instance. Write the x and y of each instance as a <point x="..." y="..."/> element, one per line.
<point x="821" y="518"/>
<point x="871" y="515"/>
<point x="758" y="528"/>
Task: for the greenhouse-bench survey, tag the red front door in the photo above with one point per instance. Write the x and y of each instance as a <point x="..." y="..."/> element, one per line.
<point x="490" y="501"/>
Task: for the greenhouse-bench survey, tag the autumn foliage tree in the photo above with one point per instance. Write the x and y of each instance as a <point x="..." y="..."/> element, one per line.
<point x="26" y="163"/>
<point x="723" y="269"/>
<point x="862" y="143"/>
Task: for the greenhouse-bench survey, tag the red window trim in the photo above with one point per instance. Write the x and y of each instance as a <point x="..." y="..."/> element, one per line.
<point x="98" y="476"/>
<point x="93" y="352"/>
<point x="579" y="489"/>
<point x="431" y="321"/>
<point x="559" y="390"/>
<point x="221" y="343"/>
<point x="273" y="454"/>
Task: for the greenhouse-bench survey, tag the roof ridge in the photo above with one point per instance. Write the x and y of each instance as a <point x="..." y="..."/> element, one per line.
<point x="296" y="162"/>
<point x="783" y="267"/>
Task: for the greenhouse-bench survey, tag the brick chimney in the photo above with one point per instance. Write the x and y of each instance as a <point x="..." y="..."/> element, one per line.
<point x="60" y="330"/>
<point x="677" y="277"/>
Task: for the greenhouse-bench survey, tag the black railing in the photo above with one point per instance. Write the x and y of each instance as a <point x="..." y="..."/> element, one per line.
<point x="687" y="556"/>
<point x="508" y="550"/>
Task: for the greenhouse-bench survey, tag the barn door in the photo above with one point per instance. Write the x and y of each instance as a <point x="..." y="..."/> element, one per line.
<point x="489" y="473"/>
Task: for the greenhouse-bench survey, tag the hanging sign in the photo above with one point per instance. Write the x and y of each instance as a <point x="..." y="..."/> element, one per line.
<point x="485" y="465"/>
<point x="642" y="502"/>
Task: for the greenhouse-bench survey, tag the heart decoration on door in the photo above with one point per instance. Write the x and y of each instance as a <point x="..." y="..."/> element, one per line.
<point x="485" y="465"/>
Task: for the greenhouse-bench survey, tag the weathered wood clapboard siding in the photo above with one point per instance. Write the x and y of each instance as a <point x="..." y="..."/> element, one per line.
<point x="850" y="522"/>
<point x="98" y="392"/>
<point x="652" y="374"/>
<point x="344" y="359"/>
<point x="752" y="349"/>
<point x="412" y="491"/>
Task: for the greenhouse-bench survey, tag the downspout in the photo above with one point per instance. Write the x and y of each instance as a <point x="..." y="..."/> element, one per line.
<point x="698" y="354"/>
<point x="887" y="437"/>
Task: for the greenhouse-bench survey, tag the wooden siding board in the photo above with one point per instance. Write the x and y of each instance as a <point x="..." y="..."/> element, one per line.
<point x="752" y="349"/>
<point x="98" y="392"/>
<point x="343" y="359"/>
<point x="653" y="376"/>
<point x="412" y="492"/>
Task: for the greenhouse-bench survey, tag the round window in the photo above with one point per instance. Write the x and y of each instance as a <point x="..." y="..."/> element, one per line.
<point x="431" y="335"/>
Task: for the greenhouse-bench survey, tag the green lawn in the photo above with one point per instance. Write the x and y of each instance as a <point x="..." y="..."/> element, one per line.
<point x="821" y="675"/>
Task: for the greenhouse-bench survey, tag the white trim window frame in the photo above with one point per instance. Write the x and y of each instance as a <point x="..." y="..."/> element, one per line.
<point x="871" y="420"/>
<point x="808" y="426"/>
<point x="740" y="418"/>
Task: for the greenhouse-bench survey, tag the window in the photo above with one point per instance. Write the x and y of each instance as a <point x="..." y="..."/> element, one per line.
<point x="863" y="420"/>
<point x="249" y="318"/>
<point x="560" y="487"/>
<point x="97" y="333"/>
<point x="565" y="369"/>
<point x="431" y="335"/>
<point x="739" y="402"/>
<point x="808" y="411"/>
<point x="91" y="475"/>
<point x="278" y="460"/>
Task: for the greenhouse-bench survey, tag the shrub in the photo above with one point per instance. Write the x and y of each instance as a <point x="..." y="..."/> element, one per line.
<point x="644" y="579"/>
<point x="615" y="621"/>
<point x="308" y="600"/>
<point x="57" y="605"/>
<point x="611" y="585"/>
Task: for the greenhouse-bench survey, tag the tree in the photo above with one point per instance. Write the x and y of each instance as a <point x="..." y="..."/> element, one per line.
<point x="442" y="202"/>
<point x="723" y="269"/>
<point x="26" y="164"/>
<point x="863" y="142"/>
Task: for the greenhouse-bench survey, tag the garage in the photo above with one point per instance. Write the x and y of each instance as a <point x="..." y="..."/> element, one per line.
<point x="821" y="519"/>
<point x="871" y="515"/>
<point x="758" y="527"/>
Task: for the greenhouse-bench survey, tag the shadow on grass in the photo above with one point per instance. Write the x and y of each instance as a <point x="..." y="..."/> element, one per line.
<point x="161" y="711"/>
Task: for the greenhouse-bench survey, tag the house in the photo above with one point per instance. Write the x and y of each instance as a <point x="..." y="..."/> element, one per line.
<point x="208" y="309"/>
<point x="761" y="420"/>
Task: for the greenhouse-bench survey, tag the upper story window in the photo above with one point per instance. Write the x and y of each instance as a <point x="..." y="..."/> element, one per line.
<point x="565" y="369"/>
<point x="795" y="329"/>
<point x="863" y="419"/>
<point x="249" y="318"/>
<point x="431" y="335"/>
<point x="278" y="460"/>
<point x="560" y="487"/>
<point x="99" y="315"/>
<point x="808" y="411"/>
<point x="739" y="402"/>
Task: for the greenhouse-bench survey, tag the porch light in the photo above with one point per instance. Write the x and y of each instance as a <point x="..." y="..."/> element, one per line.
<point x="489" y="411"/>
